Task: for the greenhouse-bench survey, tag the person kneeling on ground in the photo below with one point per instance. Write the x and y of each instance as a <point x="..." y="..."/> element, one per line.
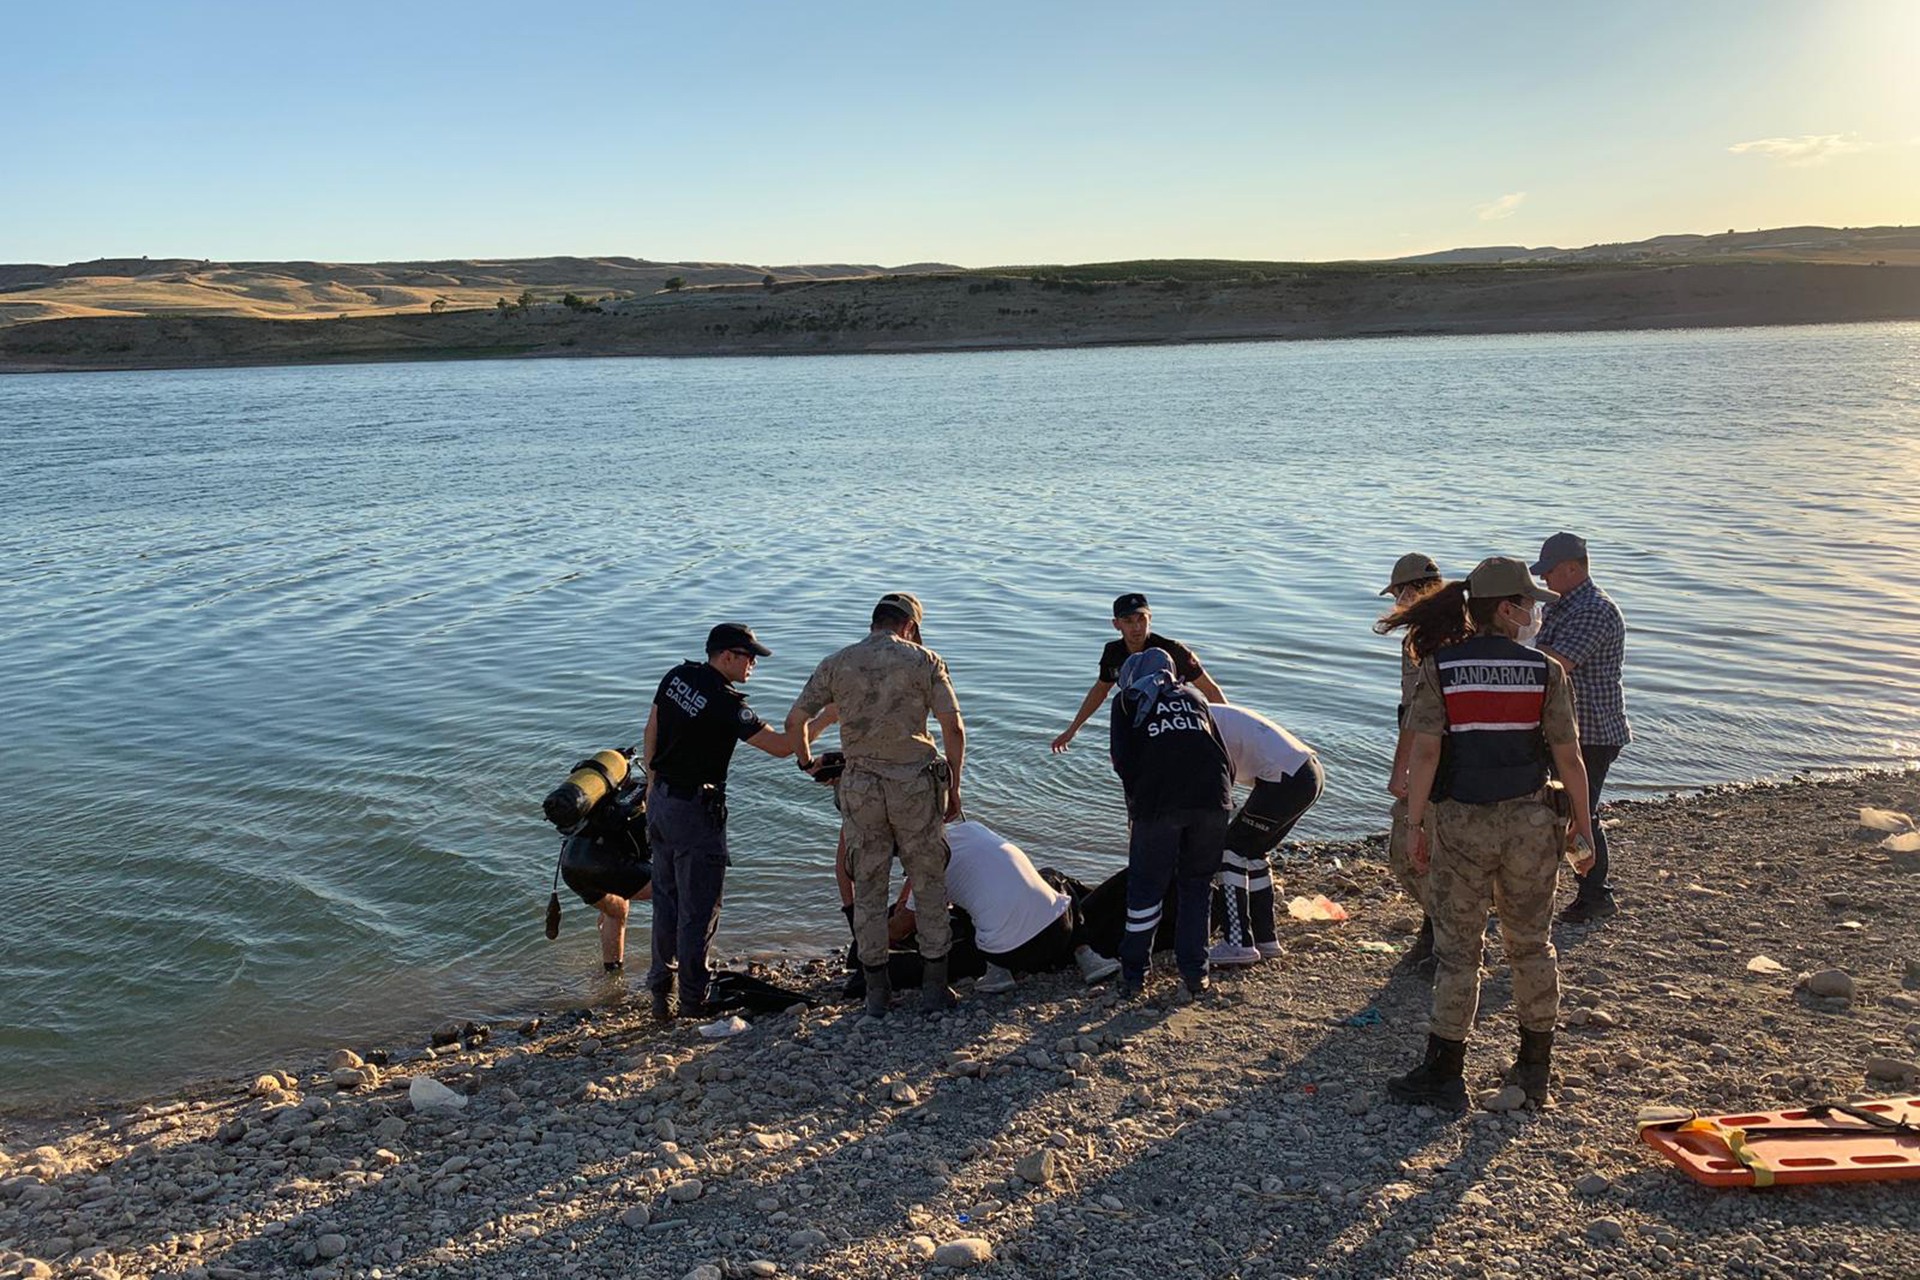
<point x="1178" y="783"/>
<point x="1020" y="922"/>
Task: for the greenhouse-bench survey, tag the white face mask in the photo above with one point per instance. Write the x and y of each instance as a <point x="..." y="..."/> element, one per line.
<point x="1530" y="632"/>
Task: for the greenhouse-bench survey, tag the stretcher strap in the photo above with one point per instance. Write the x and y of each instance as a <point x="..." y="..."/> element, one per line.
<point x="1735" y="1140"/>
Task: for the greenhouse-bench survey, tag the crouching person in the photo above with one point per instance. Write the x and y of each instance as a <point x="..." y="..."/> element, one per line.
<point x="1021" y="923"/>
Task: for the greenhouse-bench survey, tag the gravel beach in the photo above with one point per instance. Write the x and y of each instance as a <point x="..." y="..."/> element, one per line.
<point x="1053" y="1132"/>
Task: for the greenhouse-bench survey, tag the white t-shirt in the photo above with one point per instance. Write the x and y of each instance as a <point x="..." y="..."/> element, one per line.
<point x="1258" y="749"/>
<point x="992" y="881"/>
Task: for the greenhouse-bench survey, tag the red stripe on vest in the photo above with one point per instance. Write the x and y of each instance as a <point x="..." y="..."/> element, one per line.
<point x="1506" y="706"/>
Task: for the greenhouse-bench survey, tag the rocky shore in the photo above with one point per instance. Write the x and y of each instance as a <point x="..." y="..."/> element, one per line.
<point x="1054" y="1132"/>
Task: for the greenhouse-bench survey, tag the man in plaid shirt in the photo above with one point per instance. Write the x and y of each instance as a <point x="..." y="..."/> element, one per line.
<point x="1585" y="633"/>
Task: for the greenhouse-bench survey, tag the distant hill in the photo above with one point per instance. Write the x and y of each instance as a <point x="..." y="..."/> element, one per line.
<point x="320" y="290"/>
<point x="1888" y="245"/>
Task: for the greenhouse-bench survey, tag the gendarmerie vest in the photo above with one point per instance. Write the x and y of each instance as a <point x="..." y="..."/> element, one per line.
<point x="1495" y="691"/>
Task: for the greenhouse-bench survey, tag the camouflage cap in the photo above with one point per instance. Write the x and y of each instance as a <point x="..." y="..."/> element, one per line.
<point x="906" y="603"/>
<point x="1498" y="577"/>
<point x="1415" y="566"/>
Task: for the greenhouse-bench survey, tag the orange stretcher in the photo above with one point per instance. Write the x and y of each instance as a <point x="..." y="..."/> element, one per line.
<point x="1825" y="1142"/>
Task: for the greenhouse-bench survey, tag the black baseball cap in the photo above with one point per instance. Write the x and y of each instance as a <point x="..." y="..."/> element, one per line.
<point x="736" y="635"/>
<point x="1130" y="603"/>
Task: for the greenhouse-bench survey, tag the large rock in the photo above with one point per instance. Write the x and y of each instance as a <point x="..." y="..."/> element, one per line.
<point x="428" y="1094"/>
<point x="1831" y="984"/>
<point x="967" y="1251"/>
<point x="1881" y="1068"/>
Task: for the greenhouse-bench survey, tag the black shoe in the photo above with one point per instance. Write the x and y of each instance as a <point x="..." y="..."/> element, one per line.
<point x="1129" y="988"/>
<point x="1533" y="1069"/>
<point x="1438" y="1080"/>
<point x="855" y="987"/>
<point x="663" y="1003"/>
<point x="1585" y="910"/>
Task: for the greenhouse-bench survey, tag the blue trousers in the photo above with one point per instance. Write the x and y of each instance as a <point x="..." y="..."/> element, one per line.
<point x="689" y="844"/>
<point x="1179" y="848"/>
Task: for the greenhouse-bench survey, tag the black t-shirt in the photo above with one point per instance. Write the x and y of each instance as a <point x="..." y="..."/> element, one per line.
<point x="701" y="717"/>
<point x="1173" y="759"/>
<point x="1186" y="665"/>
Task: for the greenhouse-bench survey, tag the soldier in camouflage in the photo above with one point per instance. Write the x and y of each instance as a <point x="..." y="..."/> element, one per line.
<point x="896" y="791"/>
<point x="1489" y="719"/>
<point x="1414" y="575"/>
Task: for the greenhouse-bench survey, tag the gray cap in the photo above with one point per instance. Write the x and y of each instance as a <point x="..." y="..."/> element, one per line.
<point x="1415" y="566"/>
<point x="1560" y="547"/>
<point x="1498" y="577"/>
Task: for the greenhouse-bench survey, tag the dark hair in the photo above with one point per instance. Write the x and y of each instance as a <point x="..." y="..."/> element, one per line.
<point x="886" y="615"/>
<point x="1441" y="618"/>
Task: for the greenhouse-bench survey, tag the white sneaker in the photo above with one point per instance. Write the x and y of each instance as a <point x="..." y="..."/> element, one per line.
<point x="993" y="982"/>
<point x="1228" y="956"/>
<point x="1271" y="950"/>
<point x="1094" y="967"/>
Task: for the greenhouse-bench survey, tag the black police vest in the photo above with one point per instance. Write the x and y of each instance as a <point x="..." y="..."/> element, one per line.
<point x="1495" y="692"/>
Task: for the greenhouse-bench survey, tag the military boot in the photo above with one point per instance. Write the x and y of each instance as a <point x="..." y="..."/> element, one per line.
<point x="1419" y="956"/>
<point x="1533" y="1069"/>
<point x="663" y="1001"/>
<point x="935" y="994"/>
<point x="879" y="989"/>
<point x="1437" y="1081"/>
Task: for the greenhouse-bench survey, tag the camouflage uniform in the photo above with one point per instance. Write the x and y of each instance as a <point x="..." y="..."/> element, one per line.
<point x="893" y="794"/>
<point x="1399" y="853"/>
<point x="1506" y="854"/>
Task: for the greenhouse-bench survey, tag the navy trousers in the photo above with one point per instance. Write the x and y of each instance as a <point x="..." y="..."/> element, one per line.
<point x="1181" y="848"/>
<point x="689" y="843"/>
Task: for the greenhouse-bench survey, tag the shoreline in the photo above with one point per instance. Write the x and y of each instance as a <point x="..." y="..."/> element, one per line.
<point x="914" y="315"/>
<point x="1243" y="1135"/>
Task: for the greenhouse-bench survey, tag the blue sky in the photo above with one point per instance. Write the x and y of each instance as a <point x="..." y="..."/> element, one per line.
<point x="976" y="133"/>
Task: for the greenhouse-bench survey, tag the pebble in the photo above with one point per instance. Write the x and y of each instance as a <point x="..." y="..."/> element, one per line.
<point x="1832" y="984"/>
<point x="1507" y="1098"/>
<point x="345" y="1058"/>
<point x="1606" y="1231"/>
<point x="763" y="1267"/>
<point x="807" y="1238"/>
<point x="587" y="1047"/>
<point x="1039" y="1167"/>
<point x="967" y="1251"/>
<point x="1592" y="1184"/>
<point x="331" y="1245"/>
<point x="1602" y="1019"/>
<point x="921" y="1246"/>
<point x="903" y="1094"/>
<point x="686" y="1192"/>
<point x="705" y="1271"/>
<point x="635" y="1216"/>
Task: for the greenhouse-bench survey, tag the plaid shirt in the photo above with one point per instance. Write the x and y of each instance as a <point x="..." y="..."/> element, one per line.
<point x="1585" y="628"/>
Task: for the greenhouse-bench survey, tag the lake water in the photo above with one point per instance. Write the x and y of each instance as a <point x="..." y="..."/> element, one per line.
<point x="288" y="657"/>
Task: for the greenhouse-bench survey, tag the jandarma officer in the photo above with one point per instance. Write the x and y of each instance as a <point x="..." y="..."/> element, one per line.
<point x="896" y="790"/>
<point x="1489" y="717"/>
<point x="698" y="716"/>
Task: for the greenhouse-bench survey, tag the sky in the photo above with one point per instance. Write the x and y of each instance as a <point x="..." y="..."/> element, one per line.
<point x="975" y="133"/>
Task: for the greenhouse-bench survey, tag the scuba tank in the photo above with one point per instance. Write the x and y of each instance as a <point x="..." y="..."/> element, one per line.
<point x="592" y="780"/>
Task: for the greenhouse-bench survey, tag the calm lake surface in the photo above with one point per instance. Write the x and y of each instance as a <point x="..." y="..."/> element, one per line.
<point x="288" y="657"/>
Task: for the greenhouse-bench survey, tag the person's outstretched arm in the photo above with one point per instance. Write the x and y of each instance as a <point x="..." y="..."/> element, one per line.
<point x="1088" y="705"/>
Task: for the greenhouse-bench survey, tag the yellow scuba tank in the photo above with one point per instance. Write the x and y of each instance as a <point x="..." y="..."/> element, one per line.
<point x="592" y="780"/>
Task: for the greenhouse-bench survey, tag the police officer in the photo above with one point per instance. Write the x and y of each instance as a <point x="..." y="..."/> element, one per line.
<point x="1179" y="784"/>
<point x="1489" y="718"/>
<point x="896" y="790"/>
<point x="697" y="718"/>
